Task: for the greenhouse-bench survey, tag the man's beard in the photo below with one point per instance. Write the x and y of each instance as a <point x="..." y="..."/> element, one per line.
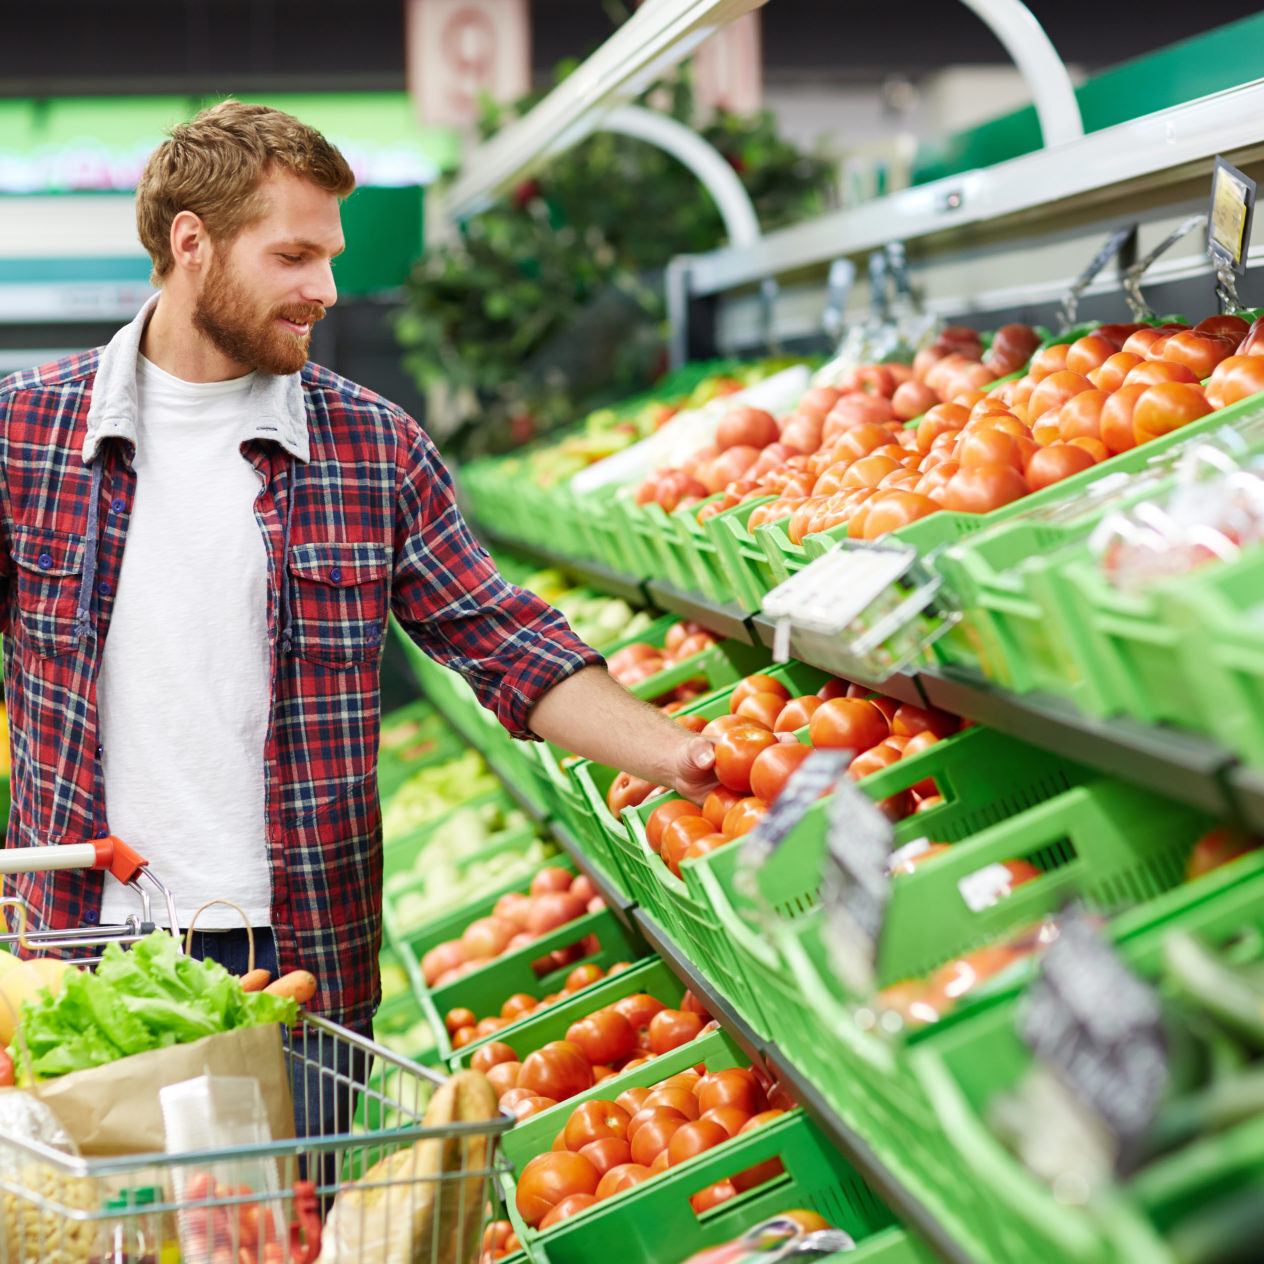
<point x="224" y="313"/>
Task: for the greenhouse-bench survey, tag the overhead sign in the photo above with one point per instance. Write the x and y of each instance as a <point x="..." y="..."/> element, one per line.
<point x="458" y="51"/>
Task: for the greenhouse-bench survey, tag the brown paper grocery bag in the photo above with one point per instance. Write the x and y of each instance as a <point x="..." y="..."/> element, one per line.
<point x="114" y="1109"/>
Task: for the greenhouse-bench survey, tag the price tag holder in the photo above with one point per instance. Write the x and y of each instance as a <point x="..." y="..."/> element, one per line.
<point x="855" y="887"/>
<point x="821" y="770"/>
<point x="1141" y="310"/>
<point x="1071" y="300"/>
<point x="1099" y="1029"/>
<point x="1229" y="228"/>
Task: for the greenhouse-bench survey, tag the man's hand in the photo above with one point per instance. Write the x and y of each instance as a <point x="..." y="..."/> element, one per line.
<point x="695" y="769"/>
<point x="590" y="715"/>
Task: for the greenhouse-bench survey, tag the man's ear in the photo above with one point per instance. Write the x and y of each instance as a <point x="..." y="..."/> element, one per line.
<point x="191" y="247"/>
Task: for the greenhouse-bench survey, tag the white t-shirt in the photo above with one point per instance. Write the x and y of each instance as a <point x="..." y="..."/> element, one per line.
<point x="185" y="683"/>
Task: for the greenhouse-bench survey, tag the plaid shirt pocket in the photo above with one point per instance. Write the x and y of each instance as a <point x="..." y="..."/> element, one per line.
<point x="48" y="568"/>
<point x="338" y="593"/>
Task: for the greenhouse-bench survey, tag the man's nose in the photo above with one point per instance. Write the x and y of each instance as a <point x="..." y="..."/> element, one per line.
<point x="319" y="286"/>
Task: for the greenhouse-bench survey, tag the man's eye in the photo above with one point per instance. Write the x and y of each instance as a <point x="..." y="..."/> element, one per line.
<point x="292" y="258"/>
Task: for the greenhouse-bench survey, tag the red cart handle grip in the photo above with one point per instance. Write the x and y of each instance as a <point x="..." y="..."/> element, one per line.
<point x="115" y="855"/>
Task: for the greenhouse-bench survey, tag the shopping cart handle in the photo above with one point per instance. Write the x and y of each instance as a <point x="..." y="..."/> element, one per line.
<point x="115" y="855"/>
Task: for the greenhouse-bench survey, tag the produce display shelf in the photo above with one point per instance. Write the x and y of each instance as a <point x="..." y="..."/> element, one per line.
<point x="594" y="574"/>
<point x="909" y="1210"/>
<point x="902" y="685"/>
<point x="850" y="1143"/>
<point x="616" y="901"/>
<point x="727" y="619"/>
<point x="1180" y="765"/>
<point x="1246" y="788"/>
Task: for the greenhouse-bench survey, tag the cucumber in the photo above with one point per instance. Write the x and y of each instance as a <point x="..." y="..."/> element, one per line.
<point x="1226" y="992"/>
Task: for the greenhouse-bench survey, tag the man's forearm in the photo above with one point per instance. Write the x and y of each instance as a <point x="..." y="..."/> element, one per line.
<point x="590" y="714"/>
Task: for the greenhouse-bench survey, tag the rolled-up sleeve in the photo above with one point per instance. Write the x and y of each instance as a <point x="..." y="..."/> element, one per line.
<point x="451" y="600"/>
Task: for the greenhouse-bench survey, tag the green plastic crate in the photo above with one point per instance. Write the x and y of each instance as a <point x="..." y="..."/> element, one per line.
<point x="962" y="1069"/>
<point x="743" y="563"/>
<point x="1217" y="616"/>
<point x="698" y="548"/>
<point x="633" y="1226"/>
<point x="983" y="776"/>
<point x="534" y="1032"/>
<point x="400" y="853"/>
<point x="432" y="742"/>
<point x="946" y="528"/>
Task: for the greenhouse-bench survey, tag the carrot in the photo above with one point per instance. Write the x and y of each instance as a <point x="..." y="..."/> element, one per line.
<point x="299" y="984"/>
<point x="255" y="980"/>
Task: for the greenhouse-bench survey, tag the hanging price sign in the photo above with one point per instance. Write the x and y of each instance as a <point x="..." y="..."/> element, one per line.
<point x="1229" y="229"/>
<point x="1100" y="1030"/>
<point x="811" y="779"/>
<point x="855" y="887"/>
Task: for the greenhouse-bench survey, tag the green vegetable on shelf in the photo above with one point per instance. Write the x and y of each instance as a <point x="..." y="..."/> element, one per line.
<point x="434" y="791"/>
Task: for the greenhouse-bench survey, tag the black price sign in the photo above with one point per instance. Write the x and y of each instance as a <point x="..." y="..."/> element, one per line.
<point x="1229" y="223"/>
<point x="855" y="887"/>
<point x="1100" y="1029"/>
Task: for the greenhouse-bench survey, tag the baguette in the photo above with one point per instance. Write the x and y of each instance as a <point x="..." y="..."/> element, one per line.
<point x="400" y="1211"/>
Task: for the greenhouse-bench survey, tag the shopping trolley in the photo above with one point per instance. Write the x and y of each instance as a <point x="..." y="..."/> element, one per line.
<point x="57" y="1207"/>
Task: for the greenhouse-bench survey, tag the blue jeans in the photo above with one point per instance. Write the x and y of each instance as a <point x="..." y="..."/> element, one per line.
<point x="325" y="1076"/>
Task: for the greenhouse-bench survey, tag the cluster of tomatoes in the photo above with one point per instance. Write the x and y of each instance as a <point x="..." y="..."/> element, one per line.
<point x="607" y="1147"/>
<point x="1078" y="404"/>
<point x="758" y="746"/>
<point x="640" y="660"/>
<point x="555" y="898"/>
<point x="464" y="1027"/>
<point x="615" y="1038"/>
<point x="755" y="454"/>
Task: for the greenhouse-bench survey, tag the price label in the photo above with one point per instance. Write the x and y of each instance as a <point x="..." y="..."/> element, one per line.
<point x="855" y="886"/>
<point x="1229" y="224"/>
<point x="1100" y="1030"/>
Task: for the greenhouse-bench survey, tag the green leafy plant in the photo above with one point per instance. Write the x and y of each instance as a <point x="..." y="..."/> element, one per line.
<point x="550" y="302"/>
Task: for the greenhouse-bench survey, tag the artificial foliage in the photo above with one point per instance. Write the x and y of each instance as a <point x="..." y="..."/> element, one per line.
<point x="551" y="302"/>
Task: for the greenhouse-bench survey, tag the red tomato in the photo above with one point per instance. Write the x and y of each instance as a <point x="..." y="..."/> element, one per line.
<point x="662" y="816"/>
<point x="1054" y="391"/>
<point x="733" y="1087"/>
<point x="605" y="1037"/>
<point x="503" y="1077"/>
<point x="694" y="723"/>
<point x="1217" y="847"/>
<point x="1167" y="407"/>
<point x="1199" y="352"/>
<point x="1052" y="464"/>
<point x="626" y="791"/>
<point x="1051" y="360"/>
<point x="1087" y="353"/>
<point x="773" y="768"/>
<point x="796" y="713"/>
<point x="490" y="1054"/>
<point x="717" y="804"/>
<point x="622" y="1177"/>
<point x="764" y="1117"/>
<point x="730" y="1118"/>
<point x="982" y="488"/>
<point x="763" y="707"/>
<point x="595" y="1120"/>
<point x="554" y="909"/>
<point x="1080" y="417"/>
<point x="714" y="1195"/>
<point x="1152" y="372"/>
<point x="894" y="509"/>
<point x="1237" y="378"/>
<point x="639" y="1009"/>
<point x="632" y="1099"/>
<point x="676" y="1097"/>
<point x="848" y="723"/>
<point x="756" y="683"/>
<point x="1234" y="327"/>
<point x="496" y="1235"/>
<point x="693" y="1139"/>
<point x="1109" y="377"/>
<point x="909" y="720"/>
<point x="743" y="816"/>
<point x="715" y="729"/>
<point x="680" y="836"/>
<point x="455" y="1019"/>
<point x="464" y="1036"/>
<point x="670" y="1028"/>
<point x="1116" y="419"/>
<point x="746" y="425"/>
<point x="566" y="1208"/>
<point x="549" y="1178"/>
<point x="556" y="1072"/>
<point x="1141" y="340"/>
<point x="654" y="1135"/>
<point x="584" y="976"/>
<point x="873" y="760"/>
<point x="735" y="753"/>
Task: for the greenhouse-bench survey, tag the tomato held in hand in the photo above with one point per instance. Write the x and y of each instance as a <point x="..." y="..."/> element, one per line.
<point x="549" y="1178"/>
<point x="735" y="754"/>
<point x="605" y="1037"/>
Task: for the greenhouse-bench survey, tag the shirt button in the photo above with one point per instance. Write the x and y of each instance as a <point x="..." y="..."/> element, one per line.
<point x="104" y="588"/>
<point x="336" y="574"/>
<point x="90" y="916"/>
<point x="44" y="561"/>
<point x="105" y="833"/>
<point x="118" y="504"/>
<point x="100" y="751"/>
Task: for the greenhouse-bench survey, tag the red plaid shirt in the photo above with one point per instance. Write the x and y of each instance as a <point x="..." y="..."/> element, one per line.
<point x="358" y="516"/>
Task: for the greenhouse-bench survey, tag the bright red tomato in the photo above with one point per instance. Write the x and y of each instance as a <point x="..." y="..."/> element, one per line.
<point x="733" y="1087"/>
<point x="549" y="1178"/>
<point x="556" y="1072"/>
<point x="639" y="1009"/>
<point x="1199" y="352"/>
<point x="774" y="767"/>
<point x="623" y="1176"/>
<point x="605" y="1037"/>
<point x="1167" y="407"/>
<point x="982" y="488"/>
<point x="693" y="1139"/>
<point x="735" y="753"/>
<point x="662" y="816"/>
<point x="670" y="1028"/>
<point x="595" y="1120"/>
<point x="654" y="1135"/>
<point x="848" y="724"/>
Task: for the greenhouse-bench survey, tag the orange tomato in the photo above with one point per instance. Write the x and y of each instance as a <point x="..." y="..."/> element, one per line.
<point x="595" y="1120"/>
<point x="1088" y="353"/>
<point x="1116" y="421"/>
<point x="662" y="816"/>
<point x="568" y="1207"/>
<point x="1199" y="352"/>
<point x="549" y="1178"/>
<point x="1080" y="417"/>
<point x="1094" y="447"/>
<point x="774" y="767"/>
<point x="1049" y="361"/>
<point x="795" y="715"/>
<point x="743" y="816"/>
<point x="982" y="488"/>
<point x="1152" y="372"/>
<point x="671" y="1028"/>
<point x="718" y="802"/>
<point x="605" y="1037"/>
<point x="988" y="447"/>
<point x="1167" y="407"/>
<point x="1052" y="464"/>
<point x="757" y="682"/>
<point x="1110" y="375"/>
<point x="1054" y="391"/>
<point x="1236" y="378"/>
<point x="622" y="1176"/>
<point x="848" y="724"/>
<point x="695" y="1138"/>
<point x="735" y="754"/>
